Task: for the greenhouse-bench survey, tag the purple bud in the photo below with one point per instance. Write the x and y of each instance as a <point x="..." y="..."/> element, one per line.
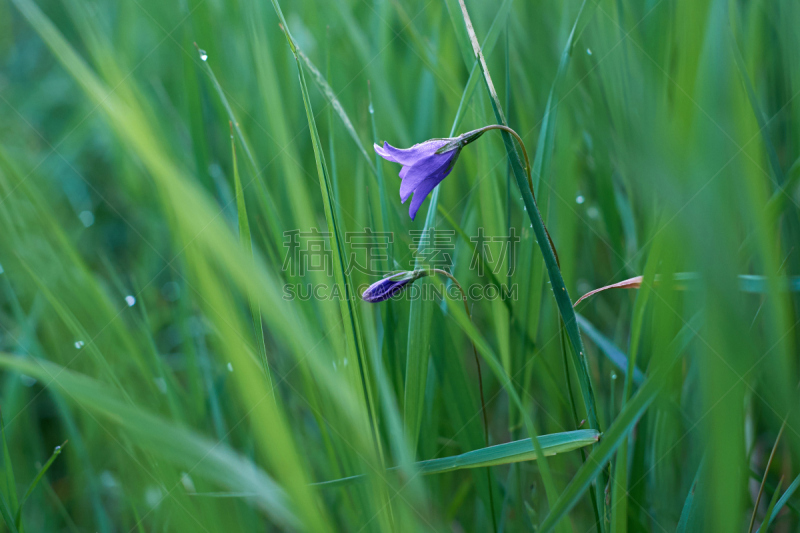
<point x="389" y="286"/>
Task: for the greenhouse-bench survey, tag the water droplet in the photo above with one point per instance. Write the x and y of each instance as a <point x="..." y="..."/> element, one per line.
<point x="524" y="207"/>
<point x="108" y="480"/>
<point x="27" y="380"/>
<point x="187" y="482"/>
<point x="203" y="54"/>
<point x="593" y="212"/>
<point x="161" y="384"/>
<point x="345" y="361"/>
<point x="230" y="367"/>
<point x="1" y="269"/>
<point x="87" y="218"/>
<point x="580" y="199"/>
<point x="371" y="110"/>
<point x="589" y="51"/>
<point x="57" y="450"/>
<point x="613" y="375"/>
<point x="130" y="300"/>
<point x="532" y="226"/>
<point x="78" y="345"/>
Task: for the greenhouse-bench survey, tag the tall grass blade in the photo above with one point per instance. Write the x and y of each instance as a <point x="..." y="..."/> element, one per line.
<point x="556" y="280"/>
<point x="5" y="512"/>
<point x="39" y="475"/>
<point x="181" y="447"/>
<point x="334" y="102"/>
<point x="784" y="499"/>
<point x="8" y="467"/>
<point x="618" y="430"/>
<point x="609" y="349"/>
<point x="245" y="239"/>
<point x="421" y="312"/>
<point x="499" y="454"/>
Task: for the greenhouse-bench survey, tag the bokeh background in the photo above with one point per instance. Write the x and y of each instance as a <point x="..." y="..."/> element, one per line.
<point x="143" y="268"/>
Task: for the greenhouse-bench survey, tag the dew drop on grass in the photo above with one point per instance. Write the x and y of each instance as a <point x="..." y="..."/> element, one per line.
<point x="130" y="300"/>
<point x="57" y="450"/>
<point x="108" y="480"/>
<point x="1" y="269"/>
<point x="371" y="110"/>
<point x="230" y="367"/>
<point x="78" y="345"/>
<point x="87" y="218"/>
<point x="589" y="51"/>
<point x="580" y="199"/>
<point x="161" y="384"/>
<point x="203" y="54"/>
<point x="187" y="482"/>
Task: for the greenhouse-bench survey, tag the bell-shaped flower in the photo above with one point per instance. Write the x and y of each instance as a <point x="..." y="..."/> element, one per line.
<point x="425" y="165"/>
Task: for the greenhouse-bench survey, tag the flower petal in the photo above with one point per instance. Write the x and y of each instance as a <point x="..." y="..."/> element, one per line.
<point x="384" y="289"/>
<point x="424" y="189"/>
<point x="413" y="175"/>
<point x="409" y="156"/>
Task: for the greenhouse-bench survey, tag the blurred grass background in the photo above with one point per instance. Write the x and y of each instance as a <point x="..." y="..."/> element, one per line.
<point x="135" y="320"/>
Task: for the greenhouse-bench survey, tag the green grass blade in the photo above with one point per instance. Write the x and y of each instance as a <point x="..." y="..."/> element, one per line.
<point x="419" y="322"/>
<point x="497" y="368"/>
<point x="689" y="505"/>
<point x="557" y="281"/>
<point x="334" y="102"/>
<point x="546" y="142"/>
<point x="183" y="448"/>
<point x="512" y="452"/>
<point x="772" y="154"/>
<point x="347" y="301"/>
<point x="5" y="512"/>
<point x="790" y="490"/>
<point x="246" y="242"/>
<point x="618" y="431"/>
<point x="268" y="204"/>
<point x="499" y="454"/>
<point x="42" y="471"/>
<point x="8" y="468"/>
<point x="619" y="513"/>
<point x="609" y="349"/>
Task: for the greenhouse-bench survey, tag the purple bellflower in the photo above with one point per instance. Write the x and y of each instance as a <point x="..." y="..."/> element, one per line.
<point x="390" y="286"/>
<point x="425" y="165"/>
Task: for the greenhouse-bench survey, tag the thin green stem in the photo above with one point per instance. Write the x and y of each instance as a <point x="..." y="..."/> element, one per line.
<point x="480" y="384"/>
<point x="764" y="479"/>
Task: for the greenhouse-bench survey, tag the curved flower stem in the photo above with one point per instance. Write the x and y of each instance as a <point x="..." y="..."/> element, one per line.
<point x="528" y="170"/>
<point x="480" y="382"/>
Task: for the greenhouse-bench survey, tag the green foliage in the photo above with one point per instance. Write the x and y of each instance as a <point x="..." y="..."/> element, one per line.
<point x="157" y="159"/>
